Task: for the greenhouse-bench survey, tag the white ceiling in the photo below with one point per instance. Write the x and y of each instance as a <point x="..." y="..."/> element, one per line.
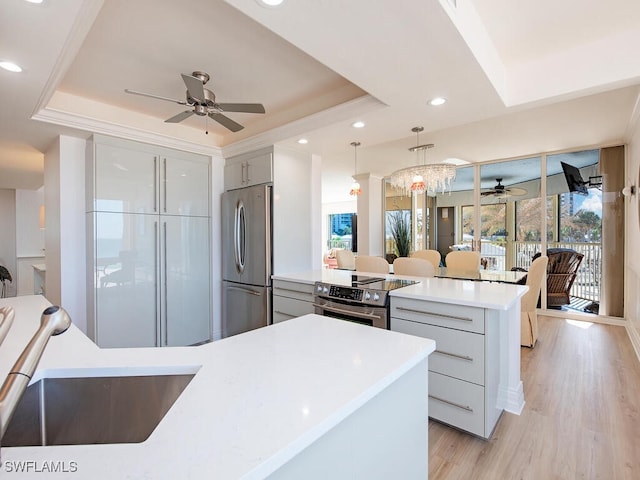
<point x="520" y="79"/>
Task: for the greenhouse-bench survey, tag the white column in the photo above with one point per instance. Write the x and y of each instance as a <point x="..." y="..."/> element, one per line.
<point x="65" y="235"/>
<point x="510" y="392"/>
<point x="370" y="205"/>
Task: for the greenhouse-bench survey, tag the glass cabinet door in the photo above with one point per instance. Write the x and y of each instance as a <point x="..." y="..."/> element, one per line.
<point x="185" y="186"/>
<point x="125" y="180"/>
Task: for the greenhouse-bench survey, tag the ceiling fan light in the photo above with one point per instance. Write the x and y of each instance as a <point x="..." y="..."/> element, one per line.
<point x="355" y="189"/>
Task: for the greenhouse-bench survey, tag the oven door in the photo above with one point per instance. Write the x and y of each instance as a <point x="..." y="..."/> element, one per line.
<point x="353" y="312"/>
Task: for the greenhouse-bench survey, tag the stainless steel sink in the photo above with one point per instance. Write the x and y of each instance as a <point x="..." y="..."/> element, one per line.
<point x="93" y="410"/>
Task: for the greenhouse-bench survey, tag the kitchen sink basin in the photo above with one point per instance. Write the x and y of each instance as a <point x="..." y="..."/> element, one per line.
<point x="93" y="410"/>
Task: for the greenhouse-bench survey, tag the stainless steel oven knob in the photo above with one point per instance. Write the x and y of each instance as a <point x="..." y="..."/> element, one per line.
<point x="319" y="288"/>
<point x="367" y="296"/>
<point x="325" y="290"/>
<point x="376" y="297"/>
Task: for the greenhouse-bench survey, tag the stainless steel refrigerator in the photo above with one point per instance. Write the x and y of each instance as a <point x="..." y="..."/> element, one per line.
<point x="246" y="259"/>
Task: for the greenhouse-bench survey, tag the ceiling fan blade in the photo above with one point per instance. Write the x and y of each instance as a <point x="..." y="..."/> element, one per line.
<point x="179" y="117"/>
<point x="195" y="87"/>
<point x="241" y="107"/>
<point x="133" y="92"/>
<point x="226" y="122"/>
<point x="490" y="192"/>
<point x="515" y="191"/>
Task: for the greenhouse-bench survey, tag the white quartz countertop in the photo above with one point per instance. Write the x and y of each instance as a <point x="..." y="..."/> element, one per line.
<point x="492" y="295"/>
<point x="256" y="400"/>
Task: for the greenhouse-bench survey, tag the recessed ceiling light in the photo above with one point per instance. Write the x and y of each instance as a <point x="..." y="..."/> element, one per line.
<point x="357" y="124"/>
<point x="455" y="161"/>
<point x="12" y="67"/>
<point x="270" y="3"/>
<point x="303" y="141"/>
<point x="437" y="101"/>
<point x="35" y="1"/>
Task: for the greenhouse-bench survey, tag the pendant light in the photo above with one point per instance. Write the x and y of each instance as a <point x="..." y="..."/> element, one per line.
<point x="355" y="186"/>
<point x="423" y="177"/>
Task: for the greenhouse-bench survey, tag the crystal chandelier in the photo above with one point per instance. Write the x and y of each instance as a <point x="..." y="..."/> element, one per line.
<point x="423" y="177"/>
<point x="355" y="186"/>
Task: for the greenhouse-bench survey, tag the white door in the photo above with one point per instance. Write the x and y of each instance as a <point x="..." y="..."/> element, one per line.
<point x="125" y="268"/>
<point x="186" y="285"/>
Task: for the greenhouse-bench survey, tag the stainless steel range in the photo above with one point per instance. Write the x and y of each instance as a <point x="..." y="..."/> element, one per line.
<point x="359" y="298"/>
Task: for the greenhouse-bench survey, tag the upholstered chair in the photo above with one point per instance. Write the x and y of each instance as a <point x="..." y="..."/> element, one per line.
<point x="528" y="314"/>
<point x="418" y="267"/>
<point x="346" y="259"/>
<point x="365" y="263"/>
<point x="431" y="255"/>
<point x="463" y="260"/>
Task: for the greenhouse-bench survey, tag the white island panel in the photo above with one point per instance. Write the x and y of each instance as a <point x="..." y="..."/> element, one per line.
<point x="257" y="401"/>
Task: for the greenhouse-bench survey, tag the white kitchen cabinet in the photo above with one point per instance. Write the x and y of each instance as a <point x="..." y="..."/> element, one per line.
<point x="245" y="171"/>
<point x="130" y="177"/>
<point x="291" y="299"/>
<point x="149" y="252"/>
<point x="464" y="369"/>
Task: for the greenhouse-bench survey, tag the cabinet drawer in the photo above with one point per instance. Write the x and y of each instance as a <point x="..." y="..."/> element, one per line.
<point x="460" y="317"/>
<point x="457" y="403"/>
<point x="458" y="354"/>
<point x="285" y="308"/>
<point x="300" y="291"/>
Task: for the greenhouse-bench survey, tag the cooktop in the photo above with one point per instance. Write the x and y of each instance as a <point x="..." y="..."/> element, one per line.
<point x="373" y="283"/>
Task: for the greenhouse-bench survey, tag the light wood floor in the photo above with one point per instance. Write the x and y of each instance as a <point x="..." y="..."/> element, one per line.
<point x="581" y="418"/>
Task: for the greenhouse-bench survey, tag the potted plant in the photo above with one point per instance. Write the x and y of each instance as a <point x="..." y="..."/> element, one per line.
<point x="400" y="226"/>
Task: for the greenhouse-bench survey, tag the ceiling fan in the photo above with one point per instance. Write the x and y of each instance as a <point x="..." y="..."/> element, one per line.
<point x="502" y="191"/>
<point x="203" y="102"/>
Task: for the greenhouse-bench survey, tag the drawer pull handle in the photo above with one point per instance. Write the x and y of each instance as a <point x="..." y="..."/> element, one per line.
<point x="422" y="312"/>
<point x="285" y="314"/>
<point x="455" y="355"/>
<point x="280" y="289"/>
<point x="454" y="404"/>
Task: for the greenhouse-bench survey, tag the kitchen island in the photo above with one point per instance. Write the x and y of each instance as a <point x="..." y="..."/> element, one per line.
<point x="499" y="302"/>
<point x="308" y="398"/>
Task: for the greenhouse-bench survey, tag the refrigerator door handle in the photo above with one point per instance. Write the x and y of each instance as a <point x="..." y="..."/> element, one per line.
<point x="244" y="290"/>
<point x="239" y="234"/>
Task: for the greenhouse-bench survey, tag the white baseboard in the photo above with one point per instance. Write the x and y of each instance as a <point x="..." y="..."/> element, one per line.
<point x="634" y="336"/>
<point x="511" y="399"/>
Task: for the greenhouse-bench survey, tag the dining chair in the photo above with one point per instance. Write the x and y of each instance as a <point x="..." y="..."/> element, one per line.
<point x="431" y="255"/>
<point x="463" y="260"/>
<point x="418" y="267"/>
<point x="346" y="259"/>
<point x="528" y="302"/>
<point x="366" y="263"/>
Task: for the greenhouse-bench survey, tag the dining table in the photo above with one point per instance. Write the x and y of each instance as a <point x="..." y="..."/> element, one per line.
<point x="481" y="275"/>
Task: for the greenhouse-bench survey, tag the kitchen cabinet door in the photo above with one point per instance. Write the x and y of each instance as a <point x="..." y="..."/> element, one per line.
<point x="126" y="180"/>
<point x="186" y="285"/>
<point x="185" y="185"/>
<point x="125" y="267"/>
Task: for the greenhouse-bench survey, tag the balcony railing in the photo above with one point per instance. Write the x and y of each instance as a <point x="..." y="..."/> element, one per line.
<point x="587" y="282"/>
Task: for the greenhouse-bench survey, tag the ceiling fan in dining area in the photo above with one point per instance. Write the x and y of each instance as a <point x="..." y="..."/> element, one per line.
<point x="502" y="191"/>
<point x="202" y="102"/>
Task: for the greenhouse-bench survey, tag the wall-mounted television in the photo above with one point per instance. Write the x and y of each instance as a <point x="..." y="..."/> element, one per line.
<point x="574" y="180"/>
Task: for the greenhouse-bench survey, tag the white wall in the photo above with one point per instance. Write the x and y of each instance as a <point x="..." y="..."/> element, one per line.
<point x="29" y="237"/>
<point x="8" y="237"/>
<point x="632" y="237"/>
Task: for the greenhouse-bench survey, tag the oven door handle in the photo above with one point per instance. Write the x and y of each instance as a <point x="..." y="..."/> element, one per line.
<point x="347" y="312"/>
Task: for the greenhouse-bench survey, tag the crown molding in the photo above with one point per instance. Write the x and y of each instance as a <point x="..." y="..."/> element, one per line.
<point x="93" y="125"/>
<point x="342" y="112"/>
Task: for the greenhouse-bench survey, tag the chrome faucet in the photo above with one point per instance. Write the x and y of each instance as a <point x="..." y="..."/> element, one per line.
<point x="6" y="319"/>
<point x="54" y="321"/>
